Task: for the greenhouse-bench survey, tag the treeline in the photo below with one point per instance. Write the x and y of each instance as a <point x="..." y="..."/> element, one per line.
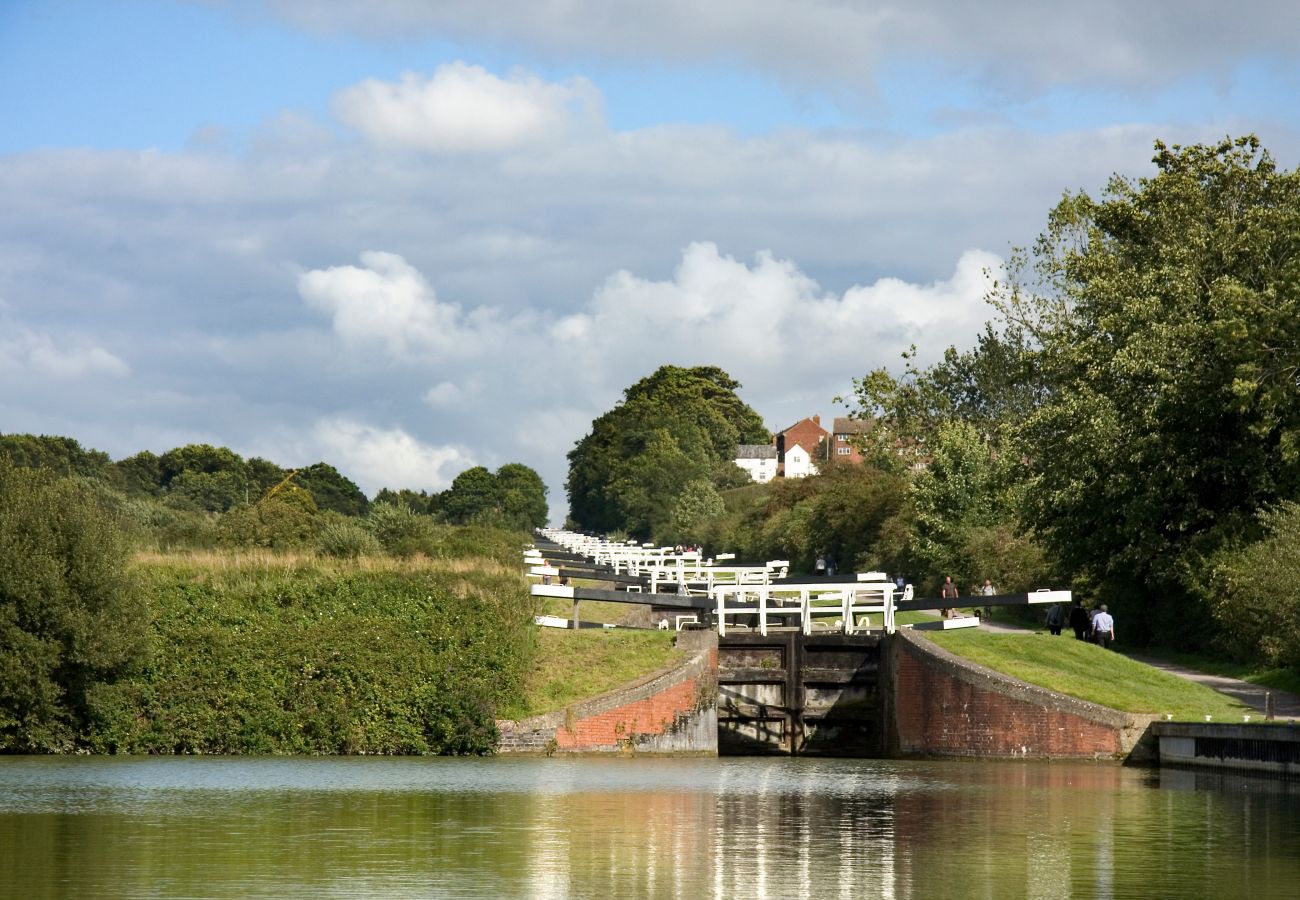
<point x="1127" y="425"/>
<point x="201" y="496"/>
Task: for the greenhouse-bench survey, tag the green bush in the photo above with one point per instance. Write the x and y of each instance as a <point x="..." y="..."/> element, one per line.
<point x="282" y="521"/>
<point x="400" y="530"/>
<point x="344" y="538"/>
<point x="1252" y="592"/>
<point x="70" y="618"/>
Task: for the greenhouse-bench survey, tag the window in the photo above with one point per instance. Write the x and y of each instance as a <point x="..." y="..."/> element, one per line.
<point x="844" y="451"/>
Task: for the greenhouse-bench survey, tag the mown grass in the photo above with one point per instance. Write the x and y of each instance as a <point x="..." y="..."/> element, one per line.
<point x="575" y="665"/>
<point x="1091" y="673"/>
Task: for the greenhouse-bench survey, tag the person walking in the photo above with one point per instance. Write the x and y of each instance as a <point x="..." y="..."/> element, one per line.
<point x="1055" y="618"/>
<point x="1079" y="620"/>
<point x="1103" y="627"/>
<point x="949" y="592"/>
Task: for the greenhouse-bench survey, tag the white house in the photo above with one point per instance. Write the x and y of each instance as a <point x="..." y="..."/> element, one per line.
<point x="759" y="460"/>
<point x="798" y="462"/>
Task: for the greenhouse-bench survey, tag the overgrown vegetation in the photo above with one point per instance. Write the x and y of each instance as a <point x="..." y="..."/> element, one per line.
<point x="283" y="654"/>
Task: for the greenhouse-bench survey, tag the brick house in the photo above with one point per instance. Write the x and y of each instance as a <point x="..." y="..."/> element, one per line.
<point x="845" y="434"/>
<point x="813" y="442"/>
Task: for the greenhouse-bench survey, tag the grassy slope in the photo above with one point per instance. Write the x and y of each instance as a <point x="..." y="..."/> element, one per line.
<point x="572" y="666"/>
<point x="1088" y="672"/>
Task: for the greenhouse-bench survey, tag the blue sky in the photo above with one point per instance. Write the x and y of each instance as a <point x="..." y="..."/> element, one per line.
<point x="411" y="236"/>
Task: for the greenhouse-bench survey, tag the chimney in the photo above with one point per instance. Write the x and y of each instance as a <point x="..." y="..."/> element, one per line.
<point x="817" y="420"/>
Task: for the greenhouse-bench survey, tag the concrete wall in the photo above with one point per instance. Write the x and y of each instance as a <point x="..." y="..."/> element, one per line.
<point x="1272" y="748"/>
<point x="943" y="705"/>
<point x="670" y="712"/>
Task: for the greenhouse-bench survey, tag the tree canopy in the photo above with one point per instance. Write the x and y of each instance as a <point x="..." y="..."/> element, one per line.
<point x="674" y="427"/>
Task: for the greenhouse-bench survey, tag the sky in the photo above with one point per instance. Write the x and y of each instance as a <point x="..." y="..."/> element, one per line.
<point x="407" y="237"/>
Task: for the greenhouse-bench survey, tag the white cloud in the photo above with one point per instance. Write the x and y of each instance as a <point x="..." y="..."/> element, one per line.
<point x="465" y="108"/>
<point x="73" y="359"/>
<point x="387" y="303"/>
<point x="376" y="457"/>
<point x="771" y="325"/>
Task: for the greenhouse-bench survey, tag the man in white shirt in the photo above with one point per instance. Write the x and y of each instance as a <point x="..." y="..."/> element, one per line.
<point x="1103" y="627"/>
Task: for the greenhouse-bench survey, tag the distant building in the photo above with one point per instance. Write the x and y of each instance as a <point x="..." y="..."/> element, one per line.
<point x="812" y="441"/>
<point x="798" y="463"/>
<point x="846" y="436"/>
<point x="759" y="460"/>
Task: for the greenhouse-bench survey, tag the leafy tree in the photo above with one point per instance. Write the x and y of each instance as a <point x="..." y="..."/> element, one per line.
<point x="1165" y="327"/>
<point x="69" y="617"/>
<point x="522" y="497"/>
<point x="59" y="455"/>
<point x="140" y="475"/>
<point x="1252" y="591"/>
<point x="698" y="502"/>
<point x="674" y="426"/>
<point x="416" y="501"/>
<point x="203" y="477"/>
<point x="331" y="490"/>
<point x="473" y="494"/>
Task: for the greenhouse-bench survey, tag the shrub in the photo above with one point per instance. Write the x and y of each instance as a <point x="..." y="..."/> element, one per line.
<point x="346" y="539"/>
<point x="400" y="530"/>
<point x="1252" y="593"/>
<point x="69" y="615"/>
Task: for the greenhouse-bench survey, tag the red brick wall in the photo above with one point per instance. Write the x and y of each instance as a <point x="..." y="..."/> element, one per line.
<point x="672" y="712"/>
<point x="807" y="434"/>
<point x="946" y="706"/>
<point x="623" y="724"/>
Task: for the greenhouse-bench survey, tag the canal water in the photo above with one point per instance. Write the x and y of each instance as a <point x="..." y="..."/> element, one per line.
<point x="690" y="828"/>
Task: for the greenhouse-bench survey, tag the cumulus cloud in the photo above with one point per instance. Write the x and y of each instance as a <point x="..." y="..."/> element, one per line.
<point x="72" y="359"/>
<point x="385" y="457"/>
<point x="390" y="304"/>
<point x="770" y="324"/>
<point x="465" y="108"/>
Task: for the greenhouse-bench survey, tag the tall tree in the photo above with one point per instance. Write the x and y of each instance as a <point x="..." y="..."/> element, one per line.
<point x="70" y="619"/>
<point x="1165" y="323"/>
<point x="672" y="427"/>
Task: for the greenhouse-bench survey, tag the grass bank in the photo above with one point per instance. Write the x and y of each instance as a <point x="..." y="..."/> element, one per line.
<point x="1091" y="673"/>
<point x="256" y="652"/>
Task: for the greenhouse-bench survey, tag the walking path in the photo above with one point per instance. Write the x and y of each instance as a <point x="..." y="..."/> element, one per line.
<point x="1285" y="705"/>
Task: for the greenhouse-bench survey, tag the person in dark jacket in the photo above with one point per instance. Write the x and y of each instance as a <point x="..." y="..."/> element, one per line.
<point x="1079" y="620"/>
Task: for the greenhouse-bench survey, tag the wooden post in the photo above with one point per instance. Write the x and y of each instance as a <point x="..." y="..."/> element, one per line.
<point x="576" y="604"/>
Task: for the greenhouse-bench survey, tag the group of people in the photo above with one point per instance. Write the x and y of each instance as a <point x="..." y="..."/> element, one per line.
<point x="1096" y="625"/>
<point x="949" y="592"/>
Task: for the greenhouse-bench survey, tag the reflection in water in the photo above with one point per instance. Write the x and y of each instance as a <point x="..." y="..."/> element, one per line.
<point x="750" y="828"/>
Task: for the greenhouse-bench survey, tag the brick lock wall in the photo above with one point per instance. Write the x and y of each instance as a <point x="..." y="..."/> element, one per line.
<point x="672" y="712"/>
<point x="946" y="706"/>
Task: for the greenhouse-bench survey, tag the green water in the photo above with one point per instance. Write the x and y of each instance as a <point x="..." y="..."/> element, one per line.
<point x="747" y="828"/>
